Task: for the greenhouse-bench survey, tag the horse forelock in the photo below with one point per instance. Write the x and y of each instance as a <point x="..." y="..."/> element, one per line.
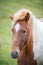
<point x="20" y="15"/>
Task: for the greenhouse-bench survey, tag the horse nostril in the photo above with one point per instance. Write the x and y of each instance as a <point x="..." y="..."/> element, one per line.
<point x="14" y="54"/>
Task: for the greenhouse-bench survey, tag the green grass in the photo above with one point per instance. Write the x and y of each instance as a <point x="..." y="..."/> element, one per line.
<point x="11" y="6"/>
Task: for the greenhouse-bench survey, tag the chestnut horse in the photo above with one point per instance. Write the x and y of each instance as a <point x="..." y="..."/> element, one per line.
<point x="22" y="40"/>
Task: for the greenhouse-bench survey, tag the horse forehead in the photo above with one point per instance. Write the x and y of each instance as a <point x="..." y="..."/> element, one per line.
<point x="17" y="27"/>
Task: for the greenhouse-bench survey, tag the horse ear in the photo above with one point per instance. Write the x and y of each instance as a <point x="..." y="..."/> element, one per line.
<point x="11" y="16"/>
<point x="27" y="16"/>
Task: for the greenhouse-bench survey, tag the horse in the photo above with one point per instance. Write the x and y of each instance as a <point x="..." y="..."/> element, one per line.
<point x="24" y="29"/>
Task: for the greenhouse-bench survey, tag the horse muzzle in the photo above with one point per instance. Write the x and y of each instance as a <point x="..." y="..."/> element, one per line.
<point x="15" y="54"/>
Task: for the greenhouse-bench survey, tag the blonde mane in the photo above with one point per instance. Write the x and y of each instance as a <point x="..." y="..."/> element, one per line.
<point x="22" y="13"/>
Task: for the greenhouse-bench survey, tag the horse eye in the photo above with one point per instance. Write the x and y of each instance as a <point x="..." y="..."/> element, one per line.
<point x="24" y="31"/>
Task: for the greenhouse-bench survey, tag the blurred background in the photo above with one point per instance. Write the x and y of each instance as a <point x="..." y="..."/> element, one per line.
<point x="11" y="6"/>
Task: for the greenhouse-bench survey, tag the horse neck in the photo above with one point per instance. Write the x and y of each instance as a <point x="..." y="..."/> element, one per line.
<point x="29" y="45"/>
<point x="29" y="48"/>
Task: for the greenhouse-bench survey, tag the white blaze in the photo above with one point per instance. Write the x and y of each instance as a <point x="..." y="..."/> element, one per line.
<point x="17" y="27"/>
